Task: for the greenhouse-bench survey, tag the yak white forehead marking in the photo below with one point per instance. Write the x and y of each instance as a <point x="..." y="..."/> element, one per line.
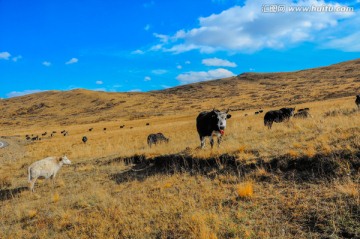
<point x="221" y="119"/>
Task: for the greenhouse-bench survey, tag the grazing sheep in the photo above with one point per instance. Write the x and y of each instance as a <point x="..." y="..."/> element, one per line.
<point x="47" y="168"/>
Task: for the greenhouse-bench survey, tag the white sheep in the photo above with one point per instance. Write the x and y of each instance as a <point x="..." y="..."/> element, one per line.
<point x="47" y="167"/>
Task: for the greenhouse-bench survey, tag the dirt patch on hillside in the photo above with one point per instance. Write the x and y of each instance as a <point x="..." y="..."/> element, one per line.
<point x="14" y="150"/>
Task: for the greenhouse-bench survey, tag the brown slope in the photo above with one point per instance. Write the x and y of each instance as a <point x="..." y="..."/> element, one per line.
<point x="248" y="90"/>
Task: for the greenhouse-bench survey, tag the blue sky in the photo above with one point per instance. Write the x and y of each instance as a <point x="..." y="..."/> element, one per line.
<point x="155" y="44"/>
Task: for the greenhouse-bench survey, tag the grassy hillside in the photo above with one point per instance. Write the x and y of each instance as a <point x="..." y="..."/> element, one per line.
<point x="246" y="91"/>
<point x="301" y="179"/>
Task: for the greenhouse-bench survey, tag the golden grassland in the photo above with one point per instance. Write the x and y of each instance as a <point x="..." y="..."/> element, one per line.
<point x="87" y="200"/>
<point x="245" y="91"/>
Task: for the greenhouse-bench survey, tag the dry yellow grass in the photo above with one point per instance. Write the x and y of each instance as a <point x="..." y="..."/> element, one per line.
<point x="245" y="189"/>
<point x="100" y="196"/>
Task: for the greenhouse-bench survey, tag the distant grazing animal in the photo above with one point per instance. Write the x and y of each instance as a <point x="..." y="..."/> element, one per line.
<point x="44" y="134"/>
<point x="131" y="127"/>
<point x="257" y="112"/>
<point x="278" y="116"/>
<point x="84" y="139"/>
<point x="65" y="133"/>
<point x="302" y="114"/>
<point x="51" y="135"/>
<point x="104" y="129"/>
<point x="91" y="129"/>
<point x="47" y="167"/>
<point x="246" y="115"/>
<point x="54" y="132"/>
<point x="211" y="124"/>
<point x="35" y="138"/>
<point x="260" y="111"/>
<point x="156" y="138"/>
<point x="305" y="109"/>
<point x="357" y="101"/>
<point x="147" y="124"/>
<point x="122" y="126"/>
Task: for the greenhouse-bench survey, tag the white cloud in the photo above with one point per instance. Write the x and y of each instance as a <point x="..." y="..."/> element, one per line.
<point x="16" y="58"/>
<point x="218" y="62"/>
<point x="179" y="67"/>
<point x="187" y="62"/>
<point x="99" y="82"/>
<point x="72" y="61"/>
<point x="247" y="29"/>
<point x="159" y="71"/>
<point x="21" y="93"/>
<point x="350" y="43"/>
<point x="147" y="78"/>
<point x="46" y="63"/>
<point x="196" y="76"/>
<point x="5" y="55"/>
<point x="135" y="90"/>
<point x="138" y="52"/>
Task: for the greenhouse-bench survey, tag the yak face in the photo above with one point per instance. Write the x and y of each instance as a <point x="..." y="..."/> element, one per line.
<point x="220" y="120"/>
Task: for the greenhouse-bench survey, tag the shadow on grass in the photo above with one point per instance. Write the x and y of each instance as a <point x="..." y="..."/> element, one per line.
<point x="319" y="167"/>
<point x="6" y="194"/>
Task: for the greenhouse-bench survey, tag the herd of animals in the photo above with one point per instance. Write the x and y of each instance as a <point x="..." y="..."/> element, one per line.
<point x="208" y="124"/>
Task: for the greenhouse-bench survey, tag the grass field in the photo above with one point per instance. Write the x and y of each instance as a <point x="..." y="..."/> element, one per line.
<point x="102" y="196"/>
<point x="300" y="179"/>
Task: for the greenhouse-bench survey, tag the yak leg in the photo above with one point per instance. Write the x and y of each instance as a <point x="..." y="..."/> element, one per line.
<point x="32" y="184"/>
<point x="202" y="139"/>
<point x="212" y="142"/>
<point x="219" y="139"/>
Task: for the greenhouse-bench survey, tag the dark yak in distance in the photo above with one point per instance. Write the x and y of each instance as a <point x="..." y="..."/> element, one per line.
<point x="357" y="101"/>
<point x="302" y="113"/>
<point x="211" y="124"/>
<point x="156" y="138"/>
<point x="278" y="116"/>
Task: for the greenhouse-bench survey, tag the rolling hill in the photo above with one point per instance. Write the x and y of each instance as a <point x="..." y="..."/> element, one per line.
<point x="245" y="91"/>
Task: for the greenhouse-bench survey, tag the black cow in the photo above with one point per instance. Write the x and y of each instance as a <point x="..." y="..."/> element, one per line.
<point x="156" y="138"/>
<point x="278" y="116"/>
<point x="357" y="101"/>
<point x="211" y="124"/>
<point x="91" y="129"/>
<point x="147" y="124"/>
<point x="84" y="139"/>
<point x="122" y="126"/>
